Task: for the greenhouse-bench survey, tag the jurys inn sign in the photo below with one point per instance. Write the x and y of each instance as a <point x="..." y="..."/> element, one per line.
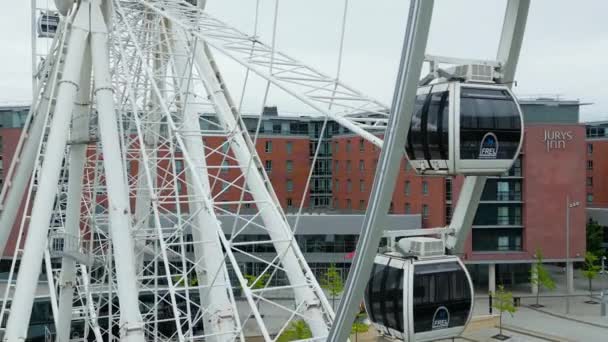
<point x="556" y="139"/>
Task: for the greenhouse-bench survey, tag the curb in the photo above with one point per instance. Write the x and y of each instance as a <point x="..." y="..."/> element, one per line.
<point x="534" y="334"/>
<point x="567" y="318"/>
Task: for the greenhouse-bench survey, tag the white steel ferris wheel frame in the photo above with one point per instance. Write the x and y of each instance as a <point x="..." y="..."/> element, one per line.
<point x="159" y="77"/>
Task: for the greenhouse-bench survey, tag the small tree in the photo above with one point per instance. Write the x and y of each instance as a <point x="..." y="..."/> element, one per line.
<point x="503" y="302"/>
<point x="540" y="276"/>
<point x="595" y="236"/>
<point x="297" y="330"/>
<point x="590" y="272"/>
<point x="359" y="326"/>
<point x="332" y="282"/>
<point x="256" y="282"/>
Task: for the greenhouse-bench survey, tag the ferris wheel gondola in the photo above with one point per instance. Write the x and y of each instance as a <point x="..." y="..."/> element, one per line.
<point x="464" y="128"/>
<point x="414" y="298"/>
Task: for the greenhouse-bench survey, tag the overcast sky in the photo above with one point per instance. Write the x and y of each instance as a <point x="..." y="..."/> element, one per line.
<point x="565" y="50"/>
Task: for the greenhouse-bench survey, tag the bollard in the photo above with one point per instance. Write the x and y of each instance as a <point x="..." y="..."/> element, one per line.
<point x="490" y="303"/>
<point x="604" y="300"/>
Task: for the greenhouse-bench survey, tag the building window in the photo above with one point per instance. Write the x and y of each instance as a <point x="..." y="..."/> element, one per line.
<point x="289" y="147"/>
<point x="425" y="188"/>
<point x="289" y="202"/>
<point x="349" y="186"/>
<point x="589" y="198"/>
<point x="1" y="145"/>
<point x="225" y="147"/>
<point x="361" y="165"/>
<point x="336" y="147"/>
<point x="349" y="204"/>
<point x="348" y="166"/>
<point x="347" y="146"/>
<point x="289" y="166"/>
<point x="590" y="149"/>
<point x="179" y="166"/>
<point x="336" y="166"/>
<point x="448" y="214"/>
<point x="502" y="191"/>
<point x="448" y="189"/>
<point x="425" y="211"/>
<point x="268" y="166"/>
<point x="589" y="181"/>
<point x="502" y="217"/>
<point x="361" y="145"/>
<point x="515" y="170"/>
<point x="407" y="188"/>
<point x="503" y="243"/>
<point x="337" y="185"/>
<point x="408" y="208"/>
<point x="504" y="239"/>
<point x="289" y="185"/>
<point x="589" y="164"/>
<point x="362" y="186"/>
<point x="225" y="166"/>
<point x="268" y="146"/>
<point x="361" y="205"/>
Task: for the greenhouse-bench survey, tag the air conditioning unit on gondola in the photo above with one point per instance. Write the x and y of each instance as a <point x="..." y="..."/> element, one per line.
<point x="474" y="73"/>
<point x="422" y="247"/>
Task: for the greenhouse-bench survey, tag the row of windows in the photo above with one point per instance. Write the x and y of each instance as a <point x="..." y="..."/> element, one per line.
<point x="268" y="147"/>
<point x="597" y="132"/>
<point x="497" y="239"/>
<point x="348" y="146"/>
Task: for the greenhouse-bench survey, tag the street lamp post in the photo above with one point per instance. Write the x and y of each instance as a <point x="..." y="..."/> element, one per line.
<point x="569" y="269"/>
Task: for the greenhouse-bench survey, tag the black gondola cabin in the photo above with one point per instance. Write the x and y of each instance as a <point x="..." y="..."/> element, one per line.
<point x="464" y="128"/>
<point x="419" y="299"/>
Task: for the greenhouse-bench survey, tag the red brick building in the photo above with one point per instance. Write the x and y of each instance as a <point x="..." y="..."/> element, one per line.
<point x="522" y="210"/>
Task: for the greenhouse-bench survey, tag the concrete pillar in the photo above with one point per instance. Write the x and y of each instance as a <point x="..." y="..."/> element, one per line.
<point x="534" y="275"/>
<point x="491" y="278"/>
<point x="570" y="277"/>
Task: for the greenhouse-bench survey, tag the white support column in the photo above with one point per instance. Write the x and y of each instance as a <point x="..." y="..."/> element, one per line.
<point x="491" y="278"/>
<point x="29" y="270"/>
<point x="77" y="158"/>
<point x="534" y="277"/>
<point x="278" y="228"/>
<point x="464" y="212"/>
<point x="412" y="57"/>
<point x="24" y="160"/>
<point x="23" y="168"/>
<point x="211" y="268"/>
<point x="511" y="37"/>
<point x="118" y="196"/>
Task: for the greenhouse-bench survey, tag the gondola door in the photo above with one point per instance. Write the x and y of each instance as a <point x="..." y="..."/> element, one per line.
<point x="441" y="299"/>
<point x="429" y="144"/>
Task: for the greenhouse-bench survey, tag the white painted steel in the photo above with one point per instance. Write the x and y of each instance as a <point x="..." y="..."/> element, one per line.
<point x="43" y="203"/>
<point x="76" y="158"/>
<point x="210" y="269"/>
<point x="412" y="56"/>
<point x="118" y="193"/>
<point x="270" y="211"/>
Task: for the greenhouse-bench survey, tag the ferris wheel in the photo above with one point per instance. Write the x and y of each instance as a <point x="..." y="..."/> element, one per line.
<point x="144" y="181"/>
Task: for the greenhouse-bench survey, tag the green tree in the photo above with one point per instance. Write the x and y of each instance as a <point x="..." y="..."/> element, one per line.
<point x="257" y="282"/>
<point x="332" y="282"/>
<point x="542" y="278"/>
<point x="590" y="271"/>
<point x="297" y="330"/>
<point x="595" y="236"/>
<point x="503" y="302"/>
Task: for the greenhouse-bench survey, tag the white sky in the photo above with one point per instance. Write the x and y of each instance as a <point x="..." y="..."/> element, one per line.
<point x="565" y="49"/>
